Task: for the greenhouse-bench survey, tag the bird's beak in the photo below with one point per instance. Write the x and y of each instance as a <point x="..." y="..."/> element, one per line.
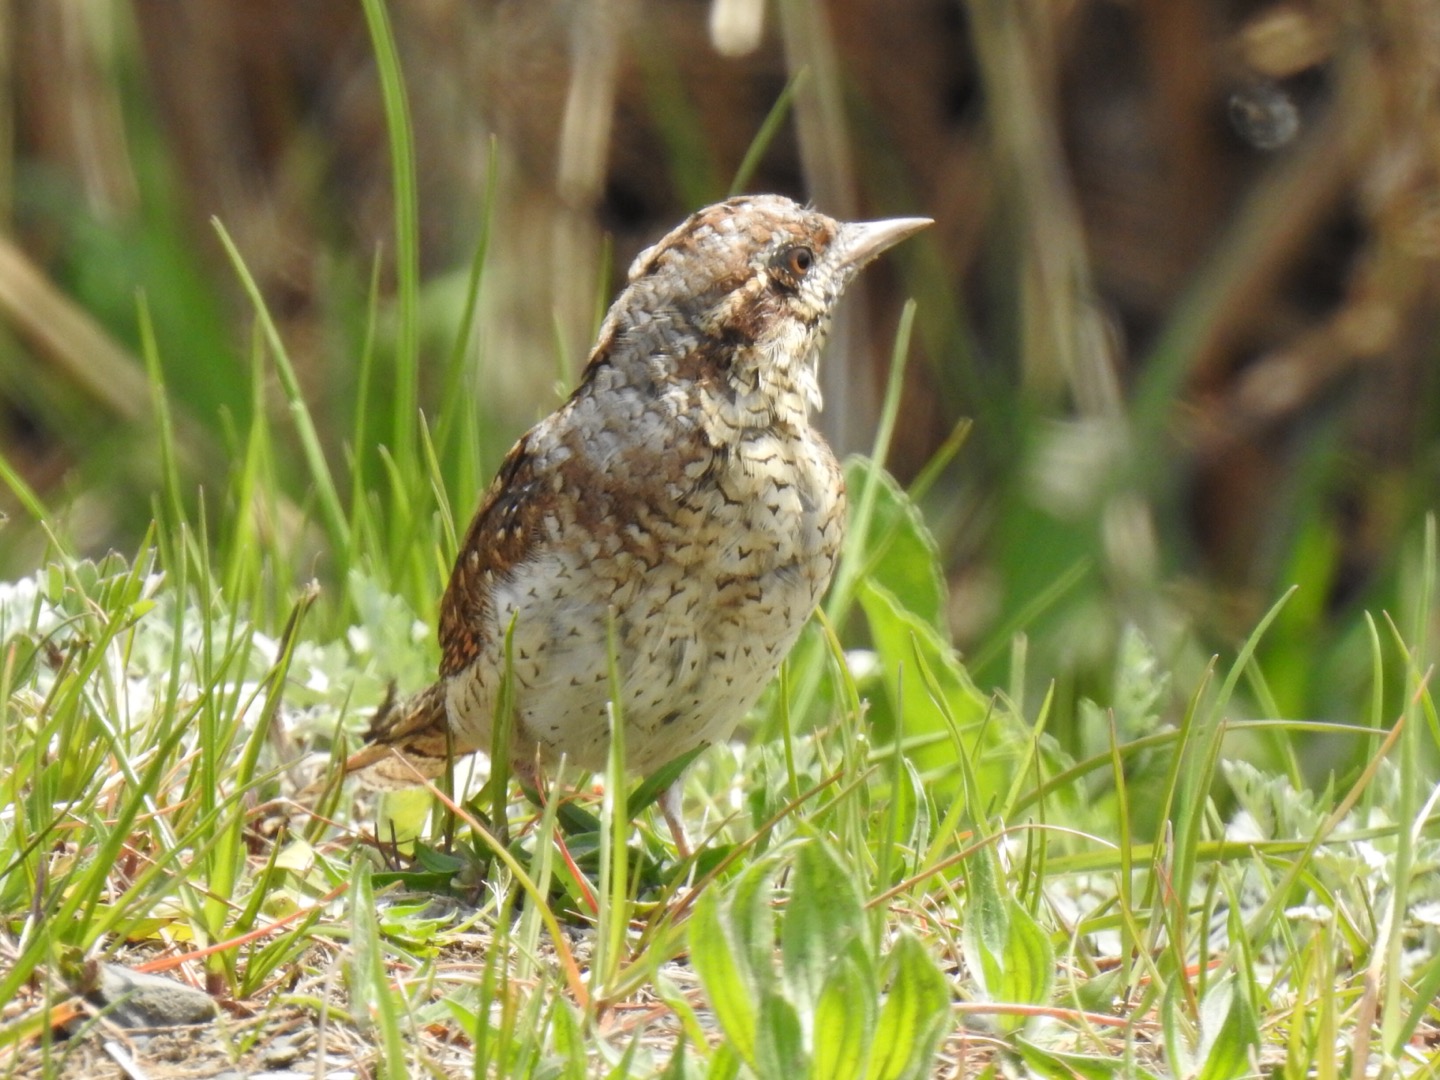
<point x="863" y="240"/>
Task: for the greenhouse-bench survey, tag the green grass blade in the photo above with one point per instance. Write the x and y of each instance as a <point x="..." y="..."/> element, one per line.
<point x="405" y="414"/>
<point x="331" y="513"/>
<point x="765" y="134"/>
<point x="375" y="1002"/>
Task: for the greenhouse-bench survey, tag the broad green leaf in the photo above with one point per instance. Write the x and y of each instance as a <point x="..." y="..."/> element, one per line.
<point x="1100" y="992"/>
<point x="779" y="1040"/>
<point x="900" y="552"/>
<point x="844" y="1019"/>
<point x="1011" y="955"/>
<point x="779" y="1043"/>
<point x="1055" y="1065"/>
<point x="724" y="1063"/>
<point x="297" y="856"/>
<point x="727" y="981"/>
<point x="824" y="915"/>
<point x="1229" y="1035"/>
<point x="569" y="1042"/>
<point x="898" y="636"/>
<point x="403" y="813"/>
<point x="915" y="1016"/>
<point x="657" y="783"/>
<point x="1029" y="959"/>
<point x="986" y="917"/>
<point x="751" y="923"/>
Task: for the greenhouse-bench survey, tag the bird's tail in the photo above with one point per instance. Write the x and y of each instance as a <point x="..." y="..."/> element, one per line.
<point x="408" y="740"/>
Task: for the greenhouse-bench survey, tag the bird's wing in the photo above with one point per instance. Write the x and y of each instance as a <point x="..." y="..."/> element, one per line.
<point x="413" y="735"/>
<point x="502" y="534"/>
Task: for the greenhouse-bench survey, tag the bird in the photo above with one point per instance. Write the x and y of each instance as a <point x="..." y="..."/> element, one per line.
<point x="680" y="504"/>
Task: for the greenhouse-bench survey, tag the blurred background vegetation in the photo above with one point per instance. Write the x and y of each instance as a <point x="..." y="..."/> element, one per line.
<point x="1185" y="277"/>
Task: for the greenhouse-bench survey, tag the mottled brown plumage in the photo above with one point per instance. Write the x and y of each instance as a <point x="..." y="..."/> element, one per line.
<point x="681" y="493"/>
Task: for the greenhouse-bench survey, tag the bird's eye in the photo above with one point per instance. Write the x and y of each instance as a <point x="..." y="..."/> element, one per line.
<point x="792" y="264"/>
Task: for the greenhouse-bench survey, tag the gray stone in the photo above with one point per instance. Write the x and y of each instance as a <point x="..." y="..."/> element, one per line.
<point x="135" y="999"/>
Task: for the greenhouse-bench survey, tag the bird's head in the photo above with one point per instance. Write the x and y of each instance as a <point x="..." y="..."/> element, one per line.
<point x="740" y="295"/>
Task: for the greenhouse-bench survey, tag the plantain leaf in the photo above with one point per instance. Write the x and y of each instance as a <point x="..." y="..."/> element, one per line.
<point x="901" y="554"/>
<point x="953" y="709"/>
<point x="915" y="1016"/>
<point x="1057" y="1065"/>
<point x="727" y="981"/>
<point x="824" y="916"/>
<point x="1229" y="1035"/>
<point x="1011" y="955"/>
<point x="844" y="1019"/>
<point x="779" y="1040"/>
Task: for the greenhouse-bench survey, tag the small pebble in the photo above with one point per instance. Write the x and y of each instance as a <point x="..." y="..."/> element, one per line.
<point x="136" y="999"/>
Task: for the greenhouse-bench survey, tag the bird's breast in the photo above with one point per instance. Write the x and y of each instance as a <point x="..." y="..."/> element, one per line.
<point x="705" y="560"/>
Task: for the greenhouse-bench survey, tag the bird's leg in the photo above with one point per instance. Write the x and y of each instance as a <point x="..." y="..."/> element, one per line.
<point x="527" y="773"/>
<point x="670" y="807"/>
